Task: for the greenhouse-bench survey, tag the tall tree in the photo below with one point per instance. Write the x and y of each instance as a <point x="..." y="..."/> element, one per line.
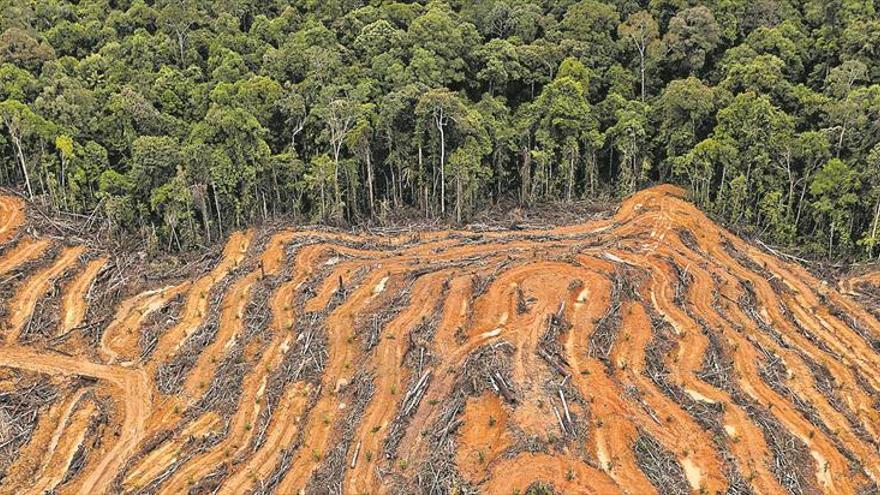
<point x="566" y="122"/>
<point x="178" y="17"/>
<point x="338" y="116"/>
<point x="692" y="36"/>
<point x="684" y="110"/>
<point x="360" y="139"/>
<point x="834" y="190"/>
<point x="23" y="125"/>
<point x="439" y="109"/>
<point x="640" y="30"/>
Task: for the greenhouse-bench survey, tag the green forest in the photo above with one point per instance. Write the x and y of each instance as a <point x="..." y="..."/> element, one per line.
<point x="180" y="120"/>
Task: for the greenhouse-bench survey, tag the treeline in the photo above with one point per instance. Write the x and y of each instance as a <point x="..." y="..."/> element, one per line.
<point x="179" y="120"/>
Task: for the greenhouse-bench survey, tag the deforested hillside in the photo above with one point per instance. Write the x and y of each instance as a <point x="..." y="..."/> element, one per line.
<point x="648" y="351"/>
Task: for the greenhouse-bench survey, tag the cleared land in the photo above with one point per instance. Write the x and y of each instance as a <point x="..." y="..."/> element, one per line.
<point x="650" y="351"/>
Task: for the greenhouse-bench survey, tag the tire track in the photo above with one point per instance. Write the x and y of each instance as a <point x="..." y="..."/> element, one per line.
<point x="131" y="387"/>
<point x="22" y="252"/>
<point x="389" y="387"/>
<point x="74" y="304"/>
<point x="21" y="308"/>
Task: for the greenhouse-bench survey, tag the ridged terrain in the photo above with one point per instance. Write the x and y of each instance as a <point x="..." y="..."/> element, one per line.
<point x="647" y="352"/>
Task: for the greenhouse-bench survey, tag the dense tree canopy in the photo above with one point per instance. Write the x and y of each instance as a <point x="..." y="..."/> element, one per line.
<point x="178" y="120"/>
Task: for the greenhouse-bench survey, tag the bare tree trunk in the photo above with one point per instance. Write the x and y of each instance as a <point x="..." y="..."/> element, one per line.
<point x="525" y="175"/>
<point x="458" y="197"/>
<point x="421" y="171"/>
<point x="192" y="226"/>
<point x="352" y="195"/>
<point x="181" y="42"/>
<point x="337" y="192"/>
<point x="217" y="206"/>
<point x="496" y="161"/>
<point x="323" y="205"/>
<point x="570" y="175"/>
<point x="370" y="181"/>
<point x="441" y="125"/>
<point x="176" y="238"/>
<point x="395" y="194"/>
<point x="874" y="227"/>
<point x="206" y="214"/>
<point x="831" y="238"/>
<point x="296" y="130"/>
<point x="592" y="172"/>
<point x="64" y="182"/>
<point x="45" y="184"/>
<point x="791" y="183"/>
<point x="642" y="68"/>
<point x="800" y="208"/>
<point x="16" y="141"/>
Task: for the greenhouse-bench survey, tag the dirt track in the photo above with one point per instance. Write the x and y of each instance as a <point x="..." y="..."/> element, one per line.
<point x="11" y="216"/>
<point x="647" y="352"/>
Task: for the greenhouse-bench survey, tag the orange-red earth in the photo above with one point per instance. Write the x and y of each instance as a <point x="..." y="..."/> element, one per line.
<point x="646" y="351"/>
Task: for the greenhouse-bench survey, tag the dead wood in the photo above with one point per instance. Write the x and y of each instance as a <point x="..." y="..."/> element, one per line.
<point x="660" y="466"/>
